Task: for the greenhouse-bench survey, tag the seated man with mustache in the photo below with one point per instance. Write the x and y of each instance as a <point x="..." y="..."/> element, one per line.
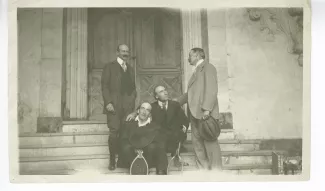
<point x="145" y="134"/>
<point x="170" y="116"/>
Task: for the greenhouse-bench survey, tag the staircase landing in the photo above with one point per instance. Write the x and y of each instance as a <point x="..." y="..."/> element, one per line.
<point x="83" y="147"/>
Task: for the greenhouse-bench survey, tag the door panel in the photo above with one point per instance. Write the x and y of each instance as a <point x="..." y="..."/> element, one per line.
<point x="147" y="83"/>
<point x="110" y="27"/>
<point x="157" y="37"/>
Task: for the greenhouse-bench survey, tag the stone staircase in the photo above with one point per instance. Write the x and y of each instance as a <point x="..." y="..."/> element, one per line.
<point x="82" y="147"/>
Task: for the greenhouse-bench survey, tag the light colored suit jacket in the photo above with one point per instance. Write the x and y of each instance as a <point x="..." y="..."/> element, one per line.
<point x="202" y="92"/>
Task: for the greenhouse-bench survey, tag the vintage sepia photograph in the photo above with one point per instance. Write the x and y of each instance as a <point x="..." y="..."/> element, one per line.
<point x="160" y="91"/>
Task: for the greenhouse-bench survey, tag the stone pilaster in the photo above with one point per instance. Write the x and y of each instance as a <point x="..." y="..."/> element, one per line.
<point x="51" y="63"/>
<point x="191" y="27"/>
<point x="76" y="64"/>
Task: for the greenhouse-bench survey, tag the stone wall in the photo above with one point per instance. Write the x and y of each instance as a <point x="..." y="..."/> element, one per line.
<point x="260" y="76"/>
<point x="39" y="65"/>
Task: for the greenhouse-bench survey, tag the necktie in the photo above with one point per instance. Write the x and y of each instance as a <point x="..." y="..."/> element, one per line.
<point x="164" y="114"/>
<point x="124" y="66"/>
<point x="164" y="106"/>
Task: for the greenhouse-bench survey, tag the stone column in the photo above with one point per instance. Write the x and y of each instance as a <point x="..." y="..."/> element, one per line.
<point x="76" y="64"/>
<point x="191" y="25"/>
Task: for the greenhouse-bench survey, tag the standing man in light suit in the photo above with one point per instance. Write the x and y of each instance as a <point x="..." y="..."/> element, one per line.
<point x="119" y="93"/>
<point x="202" y="99"/>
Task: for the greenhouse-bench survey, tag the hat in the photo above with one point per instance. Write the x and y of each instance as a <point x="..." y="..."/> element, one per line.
<point x="141" y="137"/>
<point x="209" y="129"/>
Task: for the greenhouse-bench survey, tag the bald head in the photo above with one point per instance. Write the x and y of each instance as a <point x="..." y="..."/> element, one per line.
<point x="146" y="105"/>
<point x="123" y="51"/>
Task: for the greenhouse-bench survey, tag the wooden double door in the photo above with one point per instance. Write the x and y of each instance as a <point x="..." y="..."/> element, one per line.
<point x="155" y="40"/>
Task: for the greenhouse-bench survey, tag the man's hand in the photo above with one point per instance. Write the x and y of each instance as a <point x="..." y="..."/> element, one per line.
<point x="174" y="99"/>
<point x="206" y="115"/>
<point x="110" y="107"/>
<point x="184" y="129"/>
<point x="131" y="116"/>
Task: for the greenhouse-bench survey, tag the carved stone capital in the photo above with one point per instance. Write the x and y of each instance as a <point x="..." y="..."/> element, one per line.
<point x="286" y="21"/>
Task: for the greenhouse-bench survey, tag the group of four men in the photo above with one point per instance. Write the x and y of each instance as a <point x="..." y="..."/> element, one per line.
<point x="161" y="125"/>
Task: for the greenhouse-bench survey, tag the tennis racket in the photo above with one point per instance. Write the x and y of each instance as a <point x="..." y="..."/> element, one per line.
<point x="176" y="162"/>
<point x="139" y="165"/>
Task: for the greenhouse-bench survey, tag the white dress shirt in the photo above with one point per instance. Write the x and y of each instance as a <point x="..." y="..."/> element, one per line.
<point x="122" y="63"/>
<point x="197" y="64"/>
<point x="161" y="104"/>
<point x="141" y="124"/>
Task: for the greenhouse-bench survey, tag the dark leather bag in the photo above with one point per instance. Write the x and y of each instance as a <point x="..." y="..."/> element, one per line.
<point x="209" y="129"/>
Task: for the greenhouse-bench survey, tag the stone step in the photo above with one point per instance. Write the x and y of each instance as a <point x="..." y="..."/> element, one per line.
<point x="84" y="137"/>
<point x="230" y="158"/>
<point x="39" y="150"/>
<point x="225" y="154"/>
<point x="96" y="162"/>
<point x="119" y="171"/>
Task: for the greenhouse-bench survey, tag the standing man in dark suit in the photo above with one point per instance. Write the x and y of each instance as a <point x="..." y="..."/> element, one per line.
<point x="202" y="100"/>
<point x="170" y="116"/>
<point x="119" y="93"/>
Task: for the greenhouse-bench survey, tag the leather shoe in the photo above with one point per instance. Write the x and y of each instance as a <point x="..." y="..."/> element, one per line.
<point x="112" y="165"/>
<point x="161" y="172"/>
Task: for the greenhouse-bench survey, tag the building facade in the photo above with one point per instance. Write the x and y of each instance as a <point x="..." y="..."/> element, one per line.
<point x="257" y="54"/>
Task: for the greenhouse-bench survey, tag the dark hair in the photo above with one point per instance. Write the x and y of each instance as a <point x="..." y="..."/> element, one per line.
<point x="199" y="51"/>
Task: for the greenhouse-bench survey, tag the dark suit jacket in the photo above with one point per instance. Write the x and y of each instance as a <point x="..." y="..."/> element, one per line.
<point x="202" y="91"/>
<point x="176" y="117"/>
<point x="111" y="84"/>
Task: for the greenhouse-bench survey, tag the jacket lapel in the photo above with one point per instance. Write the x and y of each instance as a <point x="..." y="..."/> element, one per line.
<point x="194" y="75"/>
<point x="130" y="69"/>
<point x="170" y="111"/>
<point x="116" y="67"/>
<point x="192" y="79"/>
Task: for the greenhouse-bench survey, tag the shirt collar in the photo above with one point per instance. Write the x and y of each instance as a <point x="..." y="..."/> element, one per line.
<point x="161" y="104"/>
<point x="197" y="64"/>
<point x="144" y="123"/>
<point x="120" y="61"/>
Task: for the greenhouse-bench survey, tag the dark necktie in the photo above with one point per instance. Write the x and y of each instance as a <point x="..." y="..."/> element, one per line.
<point x="164" y="114"/>
<point x="164" y="106"/>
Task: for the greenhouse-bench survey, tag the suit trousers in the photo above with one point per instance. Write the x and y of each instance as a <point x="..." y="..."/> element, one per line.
<point x="208" y="153"/>
<point x="116" y="119"/>
<point x="154" y="154"/>
<point x="173" y="137"/>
